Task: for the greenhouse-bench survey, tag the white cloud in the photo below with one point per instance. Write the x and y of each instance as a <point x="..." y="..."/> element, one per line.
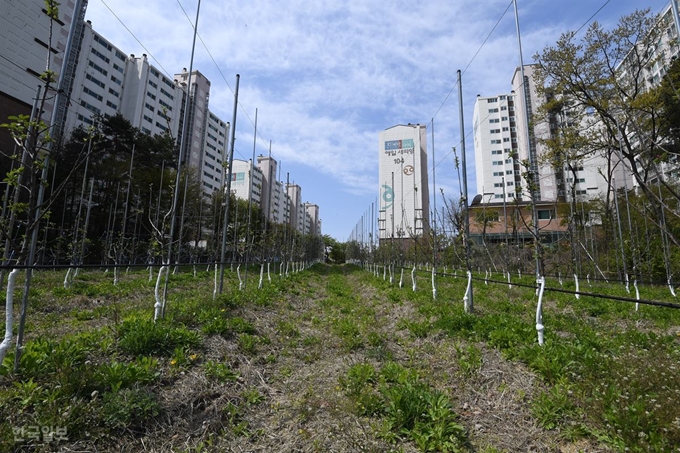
<point x="327" y="75"/>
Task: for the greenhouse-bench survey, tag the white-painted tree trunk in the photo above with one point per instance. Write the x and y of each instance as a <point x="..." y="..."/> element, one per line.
<point x="158" y="306"/>
<point x="9" y="314"/>
<point x="259" y="285"/>
<point x="637" y="294"/>
<point x="466" y="297"/>
<point x="215" y="282"/>
<point x="670" y="287"/>
<point x="578" y="296"/>
<point x="401" y="278"/>
<point x="434" y="284"/>
<point x="269" y="275"/>
<point x="509" y="283"/>
<point x="540" y="328"/>
<point x="413" y="278"/>
<point x="67" y="279"/>
<point x="240" y="281"/>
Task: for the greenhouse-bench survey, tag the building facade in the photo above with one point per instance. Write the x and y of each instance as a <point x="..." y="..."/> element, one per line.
<point x="312" y="226"/>
<point x="403" y="182"/>
<point x="498" y="171"/>
<point x="246" y="181"/>
<point x="25" y="48"/>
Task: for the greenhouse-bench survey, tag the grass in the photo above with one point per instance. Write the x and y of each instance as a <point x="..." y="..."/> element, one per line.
<point x="336" y="359"/>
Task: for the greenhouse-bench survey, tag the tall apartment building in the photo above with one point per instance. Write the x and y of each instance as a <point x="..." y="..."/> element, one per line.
<point x="497" y="167"/>
<point x="271" y="198"/>
<point x="403" y="182"/>
<point x="295" y="217"/>
<point x="311" y="219"/>
<point x="213" y="174"/>
<point x="24" y="51"/>
<point x="664" y="48"/>
<point x="246" y="181"/>
<point x="109" y="82"/>
<point x="530" y="127"/>
<point x="508" y="132"/>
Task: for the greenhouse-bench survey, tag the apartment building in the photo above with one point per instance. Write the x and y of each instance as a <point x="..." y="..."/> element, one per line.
<point x="497" y="165"/>
<point x="24" y="49"/>
<point x="311" y="219"/>
<point x="403" y="182"/>
<point x="246" y="181"/>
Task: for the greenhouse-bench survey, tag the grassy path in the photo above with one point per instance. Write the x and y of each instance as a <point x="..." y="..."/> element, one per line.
<point x="336" y="359"/>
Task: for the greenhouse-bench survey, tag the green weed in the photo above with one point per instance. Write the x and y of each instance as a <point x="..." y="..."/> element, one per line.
<point x="140" y="336"/>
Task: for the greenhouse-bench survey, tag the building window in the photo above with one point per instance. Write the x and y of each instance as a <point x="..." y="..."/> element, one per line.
<point x="167" y="94"/>
<point x="84" y="119"/>
<point x="101" y="41"/>
<point x="96" y="67"/>
<point x="100" y="55"/>
<point x="98" y="97"/>
<point x="90" y="107"/>
<point x="95" y="81"/>
<point x="493" y="110"/>
<point x="114" y="92"/>
<point x="545" y="214"/>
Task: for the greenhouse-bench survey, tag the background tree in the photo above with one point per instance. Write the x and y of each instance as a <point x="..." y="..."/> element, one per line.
<point x="603" y="75"/>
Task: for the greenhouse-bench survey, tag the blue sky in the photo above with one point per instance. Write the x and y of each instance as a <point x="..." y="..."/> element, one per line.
<point x="328" y="75"/>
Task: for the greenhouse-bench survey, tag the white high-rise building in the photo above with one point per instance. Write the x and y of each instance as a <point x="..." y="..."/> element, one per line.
<point x="311" y="219"/>
<point x="107" y="82"/>
<point x="24" y="51"/>
<point x="270" y="197"/>
<point x="495" y="138"/>
<point x="214" y="154"/>
<point x="241" y="185"/>
<point x="296" y="210"/>
<point x="508" y="134"/>
<point x="403" y="182"/>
